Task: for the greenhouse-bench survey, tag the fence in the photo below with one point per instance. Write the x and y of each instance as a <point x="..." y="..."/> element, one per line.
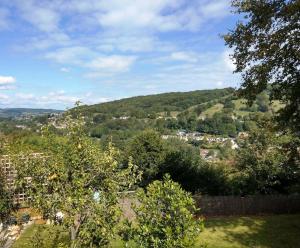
<point x="248" y="205"/>
<point x="209" y="205"/>
<point x="10" y="173"/>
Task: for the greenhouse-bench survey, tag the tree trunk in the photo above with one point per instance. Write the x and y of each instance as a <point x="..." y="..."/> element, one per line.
<point x="73" y="236"/>
<point x="74" y="230"/>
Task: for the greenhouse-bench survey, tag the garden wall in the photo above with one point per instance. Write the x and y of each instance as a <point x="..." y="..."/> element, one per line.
<point x="248" y="205"/>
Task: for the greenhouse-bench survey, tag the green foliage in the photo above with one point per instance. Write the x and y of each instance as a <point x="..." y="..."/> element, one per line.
<point x="165" y="217"/>
<point x="266" y="50"/>
<point x="75" y="177"/>
<point x="262" y="100"/>
<point x="147" y="152"/>
<point x="225" y="151"/>
<point x="119" y="121"/>
<point x="220" y="123"/>
<point x="5" y="199"/>
<point x="229" y="104"/>
<point x="196" y="175"/>
<point x="272" y="231"/>
<point x="265" y="164"/>
<point x="143" y="106"/>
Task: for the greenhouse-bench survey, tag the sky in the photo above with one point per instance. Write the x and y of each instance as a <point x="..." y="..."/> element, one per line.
<point x="56" y="52"/>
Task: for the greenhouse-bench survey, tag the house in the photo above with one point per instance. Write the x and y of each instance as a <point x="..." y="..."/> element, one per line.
<point x="124" y="117"/>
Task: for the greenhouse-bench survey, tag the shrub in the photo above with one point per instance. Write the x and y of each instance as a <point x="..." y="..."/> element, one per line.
<point x="164" y="217"/>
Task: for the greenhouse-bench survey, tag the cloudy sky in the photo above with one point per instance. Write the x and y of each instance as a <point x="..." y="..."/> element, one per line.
<point x="55" y="52"/>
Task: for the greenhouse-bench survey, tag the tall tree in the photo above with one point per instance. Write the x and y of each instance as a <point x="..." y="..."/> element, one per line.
<point x="147" y="152"/>
<point x="76" y="178"/>
<point x="266" y="45"/>
<point x="264" y="164"/>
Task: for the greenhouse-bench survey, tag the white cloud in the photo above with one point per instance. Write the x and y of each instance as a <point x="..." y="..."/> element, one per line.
<point x="25" y="96"/>
<point x="7" y="87"/>
<point x="7" y="82"/>
<point x="122" y="15"/>
<point x="184" y="56"/>
<point x="128" y="15"/>
<point x="48" y="40"/>
<point x="112" y="63"/>
<point x="55" y="99"/>
<point x="117" y="26"/>
<point x="64" y="69"/>
<point x="4" y="97"/>
<point x="127" y="43"/>
<point x="216" y="9"/>
<point x="39" y="15"/>
<point x="50" y="98"/>
<point x="210" y="70"/>
<point x="104" y="39"/>
<point x="160" y="15"/>
<point x="70" y="55"/>
<point x="4" y="80"/>
<point x="220" y="83"/>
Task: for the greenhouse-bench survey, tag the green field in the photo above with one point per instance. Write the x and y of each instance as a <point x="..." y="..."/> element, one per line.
<point x="280" y="231"/>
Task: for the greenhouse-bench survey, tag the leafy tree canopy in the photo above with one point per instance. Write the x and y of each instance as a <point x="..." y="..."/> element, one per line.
<point x="266" y="47"/>
<point x="147" y="152"/>
<point x="78" y="179"/>
<point x="266" y="163"/>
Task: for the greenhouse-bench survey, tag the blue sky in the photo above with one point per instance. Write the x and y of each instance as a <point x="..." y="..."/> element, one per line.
<point x="55" y="52"/>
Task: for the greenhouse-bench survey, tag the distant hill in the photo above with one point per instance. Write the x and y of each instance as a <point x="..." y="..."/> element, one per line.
<point x="215" y="112"/>
<point x="19" y="112"/>
<point x="142" y="106"/>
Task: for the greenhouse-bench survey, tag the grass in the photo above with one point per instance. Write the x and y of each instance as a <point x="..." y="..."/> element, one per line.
<point x="277" y="231"/>
<point x="212" y="110"/>
<point x="240" y="103"/>
<point x="42" y="236"/>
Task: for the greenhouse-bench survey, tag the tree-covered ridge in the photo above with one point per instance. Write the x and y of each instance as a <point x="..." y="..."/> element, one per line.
<point x="215" y="112"/>
<point x="142" y="106"/>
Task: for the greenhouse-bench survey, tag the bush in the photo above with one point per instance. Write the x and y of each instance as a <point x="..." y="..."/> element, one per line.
<point x="164" y="217"/>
